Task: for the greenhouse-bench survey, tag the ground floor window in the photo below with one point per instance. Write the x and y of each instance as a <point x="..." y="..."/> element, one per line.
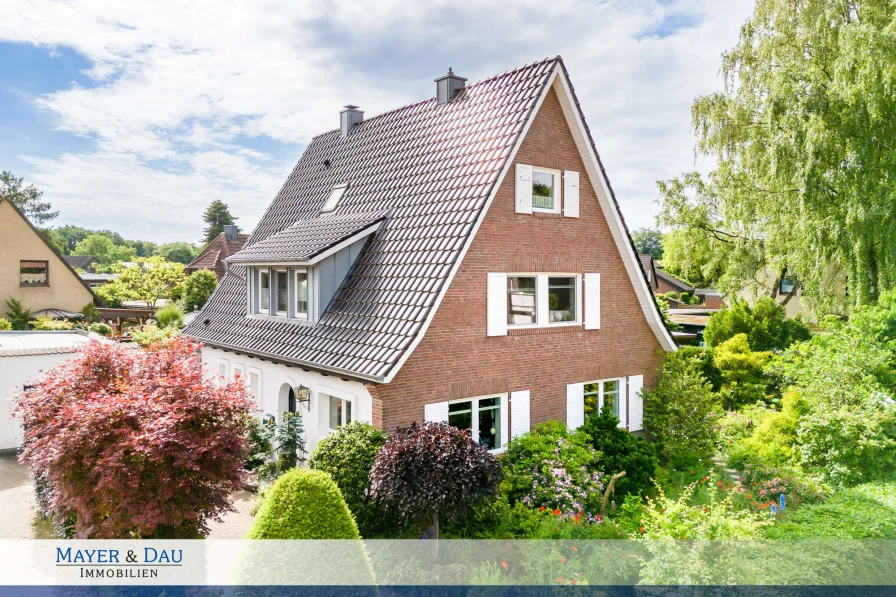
<point x="340" y="412"/>
<point x="482" y="416"/>
<point x="602" y="393"/>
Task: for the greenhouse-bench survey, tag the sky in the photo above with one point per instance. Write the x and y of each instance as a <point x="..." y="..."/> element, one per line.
<point x="134" y="116"/>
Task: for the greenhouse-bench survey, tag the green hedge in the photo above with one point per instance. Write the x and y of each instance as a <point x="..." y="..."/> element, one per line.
<point x="304" y="504"/>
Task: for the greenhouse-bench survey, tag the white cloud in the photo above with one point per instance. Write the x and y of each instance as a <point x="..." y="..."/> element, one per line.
<point x="180" y="87"/>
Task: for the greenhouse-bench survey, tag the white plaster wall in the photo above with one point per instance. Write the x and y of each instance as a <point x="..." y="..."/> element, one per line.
<point x="16" y="371"/>
<point x="274" y="376"/>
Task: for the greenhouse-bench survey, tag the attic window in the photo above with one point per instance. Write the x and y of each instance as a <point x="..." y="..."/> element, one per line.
<point x="335" y="195"/>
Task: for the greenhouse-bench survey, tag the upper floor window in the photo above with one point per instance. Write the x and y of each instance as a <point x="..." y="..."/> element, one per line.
<point x="787" y="284"/>
<point x="521" y="303"/>
<point x="301" y="294"/>
<point x="264" y="290"/>
<point x="542" y="299"/>
<point x="34" y="273"/>
<point x="545" y="190"/>
<point x="281" y="292"/>
<point x="562" y="299"/>
<point x="335" y="195"/>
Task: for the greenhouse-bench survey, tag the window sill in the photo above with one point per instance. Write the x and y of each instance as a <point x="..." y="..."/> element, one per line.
<point x="547" y="214"/>
<point x="47" y="285"/>
<point x="280" y="318"/>
<point x="552" y="329"/>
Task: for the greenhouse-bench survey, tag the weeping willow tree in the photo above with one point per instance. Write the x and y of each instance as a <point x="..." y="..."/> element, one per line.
<point x="804" y="137"/>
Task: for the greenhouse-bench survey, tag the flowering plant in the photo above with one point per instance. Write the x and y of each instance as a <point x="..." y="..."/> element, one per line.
<point x="568" y="492"/>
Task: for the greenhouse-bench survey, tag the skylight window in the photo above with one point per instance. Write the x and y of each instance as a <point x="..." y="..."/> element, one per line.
<point x="335" y="195"/>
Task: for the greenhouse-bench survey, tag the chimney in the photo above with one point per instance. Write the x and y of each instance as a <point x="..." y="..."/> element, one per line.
<point x="448" y="87"/>
<point x="232" y="232"/>
<point x="349" y="118"/>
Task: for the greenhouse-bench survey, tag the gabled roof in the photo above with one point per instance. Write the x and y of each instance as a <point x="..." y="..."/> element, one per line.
<point x="307" y="240"/>
<point x="673" y="281"/>
<point x="61" y="257"/>
<point x="213" y="255"/>
<point x="649" y="267"/>
<point x="435" y="168"/>
<point x="79" y="261"/>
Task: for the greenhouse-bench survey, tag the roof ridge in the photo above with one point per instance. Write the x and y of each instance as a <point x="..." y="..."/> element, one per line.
<point x="556" y="58"/>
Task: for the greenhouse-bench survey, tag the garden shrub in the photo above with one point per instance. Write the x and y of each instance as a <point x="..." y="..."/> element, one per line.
<point x="772" y="441"/>
<point x="91" y="313"/>
<point x="347" y="456"/>
<point x="50" y="324"/>
<point x="17" y="314"/>
<point x="304" y="504"/>
<point x="741" y="369"/>
<point x="101" y="328"/>
<point x="704" y="356"/>
<point x="766" y="325"/>
<point x="619" y="450"/>
<point x="197" y="289"/>
<point x="286" y="442"/>
<point x="768" y="483"/>
<point x="170" y="316"/>
<point x="150" y="335"/>
<point x="429" y="471"/>
<point x="136" y="443"/>
<point x="110" y="296"/>
<point x="5" y="325"/>
<point x="555" y="468"/>
<point x="680" y="413"/>
<point x="260" y="447"/>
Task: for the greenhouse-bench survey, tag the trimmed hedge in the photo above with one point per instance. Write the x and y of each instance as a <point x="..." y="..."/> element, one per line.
<point x="304" y="504"/>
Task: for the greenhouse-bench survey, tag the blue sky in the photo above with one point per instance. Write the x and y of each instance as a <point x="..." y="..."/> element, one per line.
<point x="134" y="116"/>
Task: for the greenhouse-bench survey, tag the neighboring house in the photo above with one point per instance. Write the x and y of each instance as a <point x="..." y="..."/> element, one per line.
<point x="461" y="259"/>
<point x="23" y="355"/>
<point x="213" y="255"/>
<point x="84" y="263"/>
<point x="669" y="283"/>
<point x="94" y="280"/>
<point x="795" y="305"/>
<point x="32" y="271"/>
<point x="649" y="266"/>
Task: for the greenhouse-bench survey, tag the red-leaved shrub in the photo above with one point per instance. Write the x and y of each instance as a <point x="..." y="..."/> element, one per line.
<point x="135" y="443"/>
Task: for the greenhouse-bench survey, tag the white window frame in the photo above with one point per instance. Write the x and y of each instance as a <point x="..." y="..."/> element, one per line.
<point x="255" y="391"/>
<point x="502" y="416"/>
<point x="600" y="393"/>
<point x="259" y="309"/>
<point x="295" y="293"/>
<point x="344" y="401"/>
<point x="224" y="368"/>
<point x="275" y="296"/>
<point x="558" y="177"/>
<point x="543" y="317"/>
<point x="335" y="196"/>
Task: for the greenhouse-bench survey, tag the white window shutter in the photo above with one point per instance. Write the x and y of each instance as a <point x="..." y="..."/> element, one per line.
<point x="575" y="405"/>
<point x="571" y="194"/>
<point x="523" y="189"/>
<point x="496" y="296"/>
<point x="592" y="301"/>
<point x="635" y="403"/>
<point x="623" y="421"/>
<point x="543" y="315"/>
<point x="519" y="413"/>
<point x="437" y="412"/>
<point x="505" y="411"/>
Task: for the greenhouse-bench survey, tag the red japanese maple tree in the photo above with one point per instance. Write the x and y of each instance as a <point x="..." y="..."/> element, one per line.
<point x="136" y="443"/>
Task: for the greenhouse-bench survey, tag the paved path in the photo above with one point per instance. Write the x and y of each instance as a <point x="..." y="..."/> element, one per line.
<point x="18" y="509"/>
<point x="16" y="500"/>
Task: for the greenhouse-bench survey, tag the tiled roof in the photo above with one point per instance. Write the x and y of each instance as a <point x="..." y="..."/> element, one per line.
<point x="307" y="238"/>
<point x="18" y="344"/>
<point x="670" y="279"/>
<point x="79" y="261"/>
<point x="213" y="255"/>
<point x="433" y="167"/>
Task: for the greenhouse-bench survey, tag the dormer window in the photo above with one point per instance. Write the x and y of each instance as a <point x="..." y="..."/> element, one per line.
<point x="334" y="198"/>
<point x="280" y="291"/>
<point x="264" y="290"/>
<point x="302" y="294"/>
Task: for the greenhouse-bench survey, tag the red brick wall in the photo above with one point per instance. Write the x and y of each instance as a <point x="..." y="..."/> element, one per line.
<point x="456" y="359"/>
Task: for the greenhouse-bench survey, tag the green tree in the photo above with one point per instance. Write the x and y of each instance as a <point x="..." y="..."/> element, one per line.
<point x="104" y="250"/>
<point x="743" y="381"/>
<point x="765" y="324"/>
<point x="28" y="199"/>
<point x="804" y="135"/>
<point x="217" y="215"/>
<point x="198" y="287"/>
<point x="178" y="251"/>
<point x="146" y="281"/>
<point x="649" y="241"/>
<point x="69" y="236"/>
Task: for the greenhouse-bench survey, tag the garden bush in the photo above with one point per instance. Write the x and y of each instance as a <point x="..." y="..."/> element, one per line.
<point x="680" y="413"/>
<point x="429" y="471"/>
<point x="170" y="316"/>
<point x="741" y="369"/>
<point x="5" y="325"/>
<point x="304" y="504"/>
<point x="704" y="356"/>
<point x="773" y="439"/>
<point x="766" y="325"/>
<point x="286" y="442"/>
<point x="91" y="313"/>
<point x="101" y="328"/>
<point x="554" y="468"/>
<point x="150" y="335"/>
<point x="347" y="456"/>
<point x="17" y="314"/>
<point x="136" y="443"/>
<point x="619" y="450"/>
<point x="197" y="289"/>
<point x="50" y="324"/>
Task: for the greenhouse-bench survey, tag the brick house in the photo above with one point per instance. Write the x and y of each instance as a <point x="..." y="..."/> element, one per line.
<point x="461" y="259"/>
<point x="213" y="255"/>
